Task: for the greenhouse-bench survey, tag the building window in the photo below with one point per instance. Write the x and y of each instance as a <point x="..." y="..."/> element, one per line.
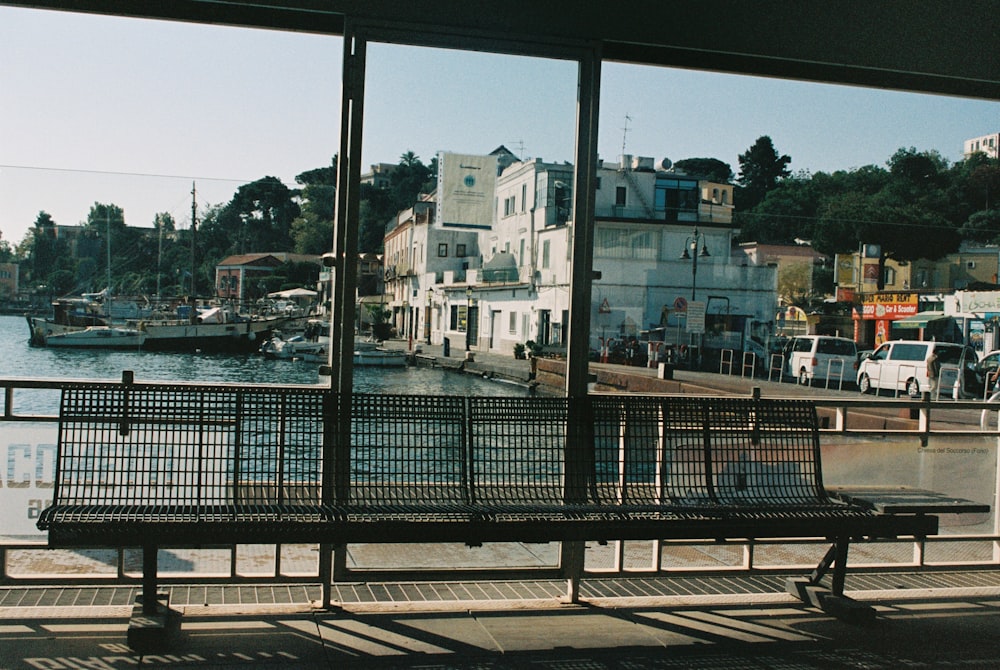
<point x="545" y="254"/>
<point x="520" y="254"/>
<point x="677" y="199"/>
<point x="458" y="316"/>
<point x="524" y="197"/>
<point x="512" y="323"/>
<point x="625" y="244"/>
<point x="889" y="278"/>
<point x="460" y="250"/>
<point x="621" y="194"/>
<point x="509" y="206"/>
<point x="443" y="250"/>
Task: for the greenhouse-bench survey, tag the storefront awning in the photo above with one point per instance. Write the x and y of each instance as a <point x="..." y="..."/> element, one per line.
<point x="919" y="320"/>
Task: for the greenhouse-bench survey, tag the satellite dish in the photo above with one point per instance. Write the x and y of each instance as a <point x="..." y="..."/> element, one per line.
<point x="666" y="163"/>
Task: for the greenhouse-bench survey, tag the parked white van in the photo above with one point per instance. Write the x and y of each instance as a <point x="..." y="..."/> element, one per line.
<point x="901" y="365"/>
<point x="821" y="357"/>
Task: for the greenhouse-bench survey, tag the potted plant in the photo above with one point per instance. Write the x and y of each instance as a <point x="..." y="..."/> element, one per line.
<point x="519" y="351"/>
<point x="379" y="317"/>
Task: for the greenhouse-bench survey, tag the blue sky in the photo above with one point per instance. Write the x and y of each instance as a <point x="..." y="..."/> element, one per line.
<point x="132" y="112"/>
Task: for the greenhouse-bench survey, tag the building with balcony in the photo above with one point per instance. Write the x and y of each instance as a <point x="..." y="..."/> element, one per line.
<point x="498" y="278"/>
<point x="987" y="144"/>
<point x="379" y="176"/>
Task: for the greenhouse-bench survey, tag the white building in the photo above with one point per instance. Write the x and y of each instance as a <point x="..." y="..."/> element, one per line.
<point x="513" y="284"/>
<point x="987" y="144"/>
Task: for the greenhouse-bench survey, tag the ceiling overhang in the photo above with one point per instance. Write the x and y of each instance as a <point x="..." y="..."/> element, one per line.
<point x="916" y="45"/>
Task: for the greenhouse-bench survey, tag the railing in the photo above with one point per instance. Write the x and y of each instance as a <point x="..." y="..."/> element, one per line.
<point x="943" y="445"/>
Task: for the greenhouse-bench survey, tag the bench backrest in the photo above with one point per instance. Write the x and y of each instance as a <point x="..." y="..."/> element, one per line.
<point x="169" y="445"/>
<point x="202" y="445"/>
<point x="697" y="450"/>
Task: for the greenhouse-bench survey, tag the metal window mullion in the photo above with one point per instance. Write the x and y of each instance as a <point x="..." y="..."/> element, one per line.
<point x="200" y="447"/>
<point x="60" y="439"/>
<point x="706" y="437"/>
<point x="623" y="429"/>
<point x="237" y="447"/>
<point x="280" y="448"/>
<point x="468" y="465"/>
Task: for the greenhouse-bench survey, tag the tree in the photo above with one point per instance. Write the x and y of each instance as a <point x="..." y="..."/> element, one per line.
<point x="787" y="213"/>
<point x="49" y="259"/>
<point x="258" y="218"/>
<point x="407" y="181"/>
<point x="376" y="208"/>
<point x="983" y="226"/>
<point x="710" y="168"/>
<point x="761" y="168"/>
<point x="975" y="184"/>
<point x="313" y="229"/>
<point x="903" y="231"/>
<point x="6" y="253"/>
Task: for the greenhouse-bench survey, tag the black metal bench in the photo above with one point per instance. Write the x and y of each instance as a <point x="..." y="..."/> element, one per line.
<point x="153" y="465"/>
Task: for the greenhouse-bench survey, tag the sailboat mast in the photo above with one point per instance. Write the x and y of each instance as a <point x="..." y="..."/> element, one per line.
<point x="159" y="256"/>
<point x="107" y="245"/>
<point x="194" y="228"/>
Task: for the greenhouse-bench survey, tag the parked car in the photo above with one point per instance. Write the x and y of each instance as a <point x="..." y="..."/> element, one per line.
<point x="987" y="379"/>
<point x="901" y="365"/>
<point x="819" y="357"/>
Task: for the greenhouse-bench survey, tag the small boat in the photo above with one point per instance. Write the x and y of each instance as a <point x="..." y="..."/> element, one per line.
<point x="97" y="337"/>
<point x="294" y="347"/>
<point x="378" y="357"/>
<point x="212" y="329"/>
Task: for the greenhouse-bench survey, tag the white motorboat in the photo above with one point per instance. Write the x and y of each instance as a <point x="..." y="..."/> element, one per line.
<point x="98" y="337"/>
<point x="378" y="357"/>
<point x="294" y="347"/>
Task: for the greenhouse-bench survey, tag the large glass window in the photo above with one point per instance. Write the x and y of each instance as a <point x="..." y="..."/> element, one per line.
<point x="625" y="243"/>
<point x="677" y="199"/>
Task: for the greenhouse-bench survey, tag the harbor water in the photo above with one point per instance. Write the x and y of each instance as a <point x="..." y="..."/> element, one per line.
<point x="20" y="360"/>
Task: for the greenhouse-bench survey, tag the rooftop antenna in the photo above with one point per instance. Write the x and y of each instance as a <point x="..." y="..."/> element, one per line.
<point x="519" y="144"/>
<point x="625" y="132"/>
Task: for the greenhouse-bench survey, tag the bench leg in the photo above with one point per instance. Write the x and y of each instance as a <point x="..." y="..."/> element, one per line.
<point x="836" y="557"/>
<point x="149" y="579"/>
<point x="571" y="559"/>
<point x="832" y="601"/>
<point x="147" y="629"/>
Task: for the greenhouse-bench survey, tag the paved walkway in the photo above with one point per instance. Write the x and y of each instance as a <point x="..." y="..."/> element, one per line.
<point x="914" y="633"/>
<point x="519" y="370"/>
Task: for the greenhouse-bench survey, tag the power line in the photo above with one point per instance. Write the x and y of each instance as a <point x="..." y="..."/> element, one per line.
<point x="815" y="220"/>
<point x="124" y="174"/>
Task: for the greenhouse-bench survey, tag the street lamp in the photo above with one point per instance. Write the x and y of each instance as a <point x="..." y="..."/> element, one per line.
<point x="468" y="318"/>
<point x="427" y="315"/>
<point x="691" y="253"/>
